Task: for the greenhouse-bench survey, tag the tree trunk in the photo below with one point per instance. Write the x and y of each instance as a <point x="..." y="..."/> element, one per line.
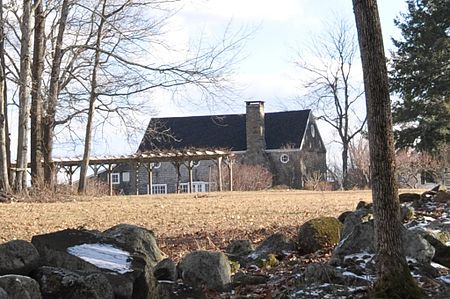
<point x="345" y="166"/>
<point x="36" y="94"/>
<point x="24" y="100"/>
<point x="4" y="173"/>
<point x="394" y="279"/>
<point x="92" y="98"/>
<point x="49" y="121"/>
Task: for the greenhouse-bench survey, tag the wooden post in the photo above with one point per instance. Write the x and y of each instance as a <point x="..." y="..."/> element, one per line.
<point x="191" y="184"/>
<point x="230" y="168"/>
<point x="177" y="168"/>
<point x="219" y="165"/>
<point x="137" y="164"/>
<point x="150" y="178"/>
<point x="110" y="185"/>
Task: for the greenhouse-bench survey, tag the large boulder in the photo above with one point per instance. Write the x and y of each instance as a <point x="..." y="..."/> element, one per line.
<point x="205" y="268"/>
<point x="138" y="240"/>
<point x="18" y="257"/>
<point x="62" y="283"/>
<point x="19" y="287"/>
<point x="319" y="233"/>
<point x="362" y="240"/>
<point x="127" y="266"/>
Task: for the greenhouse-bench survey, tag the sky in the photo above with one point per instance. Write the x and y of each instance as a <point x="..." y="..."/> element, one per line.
<point x="266" y="70"/>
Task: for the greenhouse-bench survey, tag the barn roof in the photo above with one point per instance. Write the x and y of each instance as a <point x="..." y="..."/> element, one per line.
<point x="223" y="131"/>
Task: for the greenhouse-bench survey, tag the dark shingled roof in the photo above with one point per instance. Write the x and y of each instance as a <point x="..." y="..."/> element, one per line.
<point x="223" y="131"/>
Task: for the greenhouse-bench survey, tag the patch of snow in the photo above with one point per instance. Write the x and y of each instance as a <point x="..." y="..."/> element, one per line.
<point x="438" y="266"/>
<point x="445" y="278"/>
<point x="104" y="256"/>
<point x="348" y="273"/>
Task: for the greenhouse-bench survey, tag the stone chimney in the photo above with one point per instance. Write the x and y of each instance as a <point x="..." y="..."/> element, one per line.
<point x="256" y="140"/>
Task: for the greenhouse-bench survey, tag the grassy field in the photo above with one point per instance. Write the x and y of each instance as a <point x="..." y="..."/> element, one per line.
<point x="182" y="222"/>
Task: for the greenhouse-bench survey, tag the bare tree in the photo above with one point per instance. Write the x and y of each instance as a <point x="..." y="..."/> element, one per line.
<point x="359" y="172"/>
<point x="37" y="172"/>
<point x="4" y="173"/>
<point x="331" y="89"/>
<point x="394" y="279"/>
<point x="24" y="97"/>
<point x="53" y="93"/>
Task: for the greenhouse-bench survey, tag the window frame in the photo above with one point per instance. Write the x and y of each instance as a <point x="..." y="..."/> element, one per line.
<point x="284" y="158"/>
<point x="115" y="178"/>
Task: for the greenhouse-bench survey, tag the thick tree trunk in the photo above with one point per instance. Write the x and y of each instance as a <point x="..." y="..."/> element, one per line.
<point x="394" y="278"/>
<point x="49" y="121"/>
<point x="24" y="99"/>
<point x="36" y="94"/>
<point x="92" y="99"/>
<point x="4" y="167"/>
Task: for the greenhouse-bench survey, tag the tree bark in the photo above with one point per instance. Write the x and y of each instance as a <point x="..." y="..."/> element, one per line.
<point x="49" y="121"/>
<point x="394" y="279"/>
<point x="92" y="98"/>
<point x="24" y="99"/>
<point x="36" y="94"/>
<point x="4" y="167"/>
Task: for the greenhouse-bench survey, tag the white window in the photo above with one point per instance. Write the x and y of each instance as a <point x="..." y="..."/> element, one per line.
<point x="284" y="158"/>
<point x="196" y="187"/>
<point x="195" y="163"/>
<point x="125" y="177"/>
<point x="155" y="165"/>
<point x="115" y="178"/>
<point x="184" y="187"/>
<point x="159" y="189"/>
<point x="313" y="131"/>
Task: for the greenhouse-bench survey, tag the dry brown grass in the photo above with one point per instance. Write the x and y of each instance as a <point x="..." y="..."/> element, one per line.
<point x="203" y="220"/>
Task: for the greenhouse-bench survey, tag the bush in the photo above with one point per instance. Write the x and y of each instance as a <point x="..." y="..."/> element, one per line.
<point x="250" y="177"/>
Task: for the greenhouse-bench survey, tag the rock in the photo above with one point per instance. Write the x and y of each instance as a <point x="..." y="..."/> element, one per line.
<point x="205" y="268"/>
<point x="319" y="233"/>
<point x="243" y="279"/>
<point x="406" y="213"/>
<point x="343" y="216"/>
<point x="62" y="283"/>
<point x="18" y="257"/>
<point x="362" y="239"/>
<point x="322" y="273"/>
<point x="166" y="270"/>
<point x="239" y="248"/>
<point x="20" y="287"/>
<point x="277" y="244"/>
<point x="417" y="247"/>
<point x="138" y="240"/>
<point x="3" y="294"/>
<point x="363" y="205"/>
<point x="409" y="197"/>
<point x="442" y="196"/>
<point x="80" y="250"/>
<point x="361" y="215"/>
<point x="141" y="243"/>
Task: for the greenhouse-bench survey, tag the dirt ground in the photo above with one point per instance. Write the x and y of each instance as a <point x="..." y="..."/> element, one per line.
<point x="182" y="222"/>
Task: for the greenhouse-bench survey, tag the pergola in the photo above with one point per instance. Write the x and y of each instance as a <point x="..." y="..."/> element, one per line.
<point x="148" y="159"/>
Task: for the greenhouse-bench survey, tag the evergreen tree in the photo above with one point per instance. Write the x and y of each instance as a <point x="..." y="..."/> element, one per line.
<point x="420" y="75"/>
